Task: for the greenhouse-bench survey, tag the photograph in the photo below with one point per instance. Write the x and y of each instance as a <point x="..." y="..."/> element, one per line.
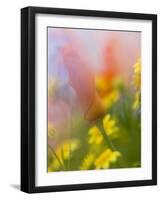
<point x="94" y="99"/>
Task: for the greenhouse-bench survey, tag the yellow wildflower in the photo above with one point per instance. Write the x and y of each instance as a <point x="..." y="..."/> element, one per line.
<point x="101" y="84"/>
<point x="107" y="157"/>
<point x="111" y="98"/>
<point x="66" y="148"/>
<point x="137" y="84"/>
<point x="95" y="135"/>
<point x="108" y="90"/>
<point x="137" y="74"/>
<point x="51" y="130"/>
<point x="87" y="162"/>
<point x="136" y="103"/>
<point x="64" y="152"/>
<point x="109" y="125"/>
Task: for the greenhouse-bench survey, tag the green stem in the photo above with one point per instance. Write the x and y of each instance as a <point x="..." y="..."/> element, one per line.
<point x="109" y="144"/>
<point x="52" y="150"/>
<point x="68" y="163"/>
<point x="107" y="139"/>
<point x="64" y="161"/>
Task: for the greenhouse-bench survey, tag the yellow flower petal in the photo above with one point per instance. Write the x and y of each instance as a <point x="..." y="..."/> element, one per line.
<point x="95" y="136"/>
<point x="109" y="125"/>
<point x="111" y="98"/>
<point x="64" y="151"/>
<point x="137" y="75"/>
<point x="87" y="162"/>
<point x="137" y="100"/>
<point x="105" y="158"/>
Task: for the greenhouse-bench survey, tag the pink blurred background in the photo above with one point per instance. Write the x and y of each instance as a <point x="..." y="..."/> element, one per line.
<point x="75" y="58"/>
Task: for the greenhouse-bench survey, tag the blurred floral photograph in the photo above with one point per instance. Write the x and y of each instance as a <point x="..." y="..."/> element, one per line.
<point x="94" y="99"/>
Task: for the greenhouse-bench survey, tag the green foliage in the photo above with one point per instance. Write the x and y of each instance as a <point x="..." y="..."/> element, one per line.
<point x="127" y="139"/>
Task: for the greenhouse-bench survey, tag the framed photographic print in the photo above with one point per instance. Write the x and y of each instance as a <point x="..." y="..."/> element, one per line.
<point x="88" y="99"/>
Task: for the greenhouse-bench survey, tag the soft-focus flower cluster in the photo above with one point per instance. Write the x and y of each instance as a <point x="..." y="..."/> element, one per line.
<point x="109" y="92"/>
<point x="105" y="158"/>
<point x="63" y="153"/>
<point x="95" y="134"/>
<point x="87" y="161"/>
<point x="109" y="125"/>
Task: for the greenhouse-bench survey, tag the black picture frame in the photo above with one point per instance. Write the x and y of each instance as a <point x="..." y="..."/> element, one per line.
<point x="28" y="98"/>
